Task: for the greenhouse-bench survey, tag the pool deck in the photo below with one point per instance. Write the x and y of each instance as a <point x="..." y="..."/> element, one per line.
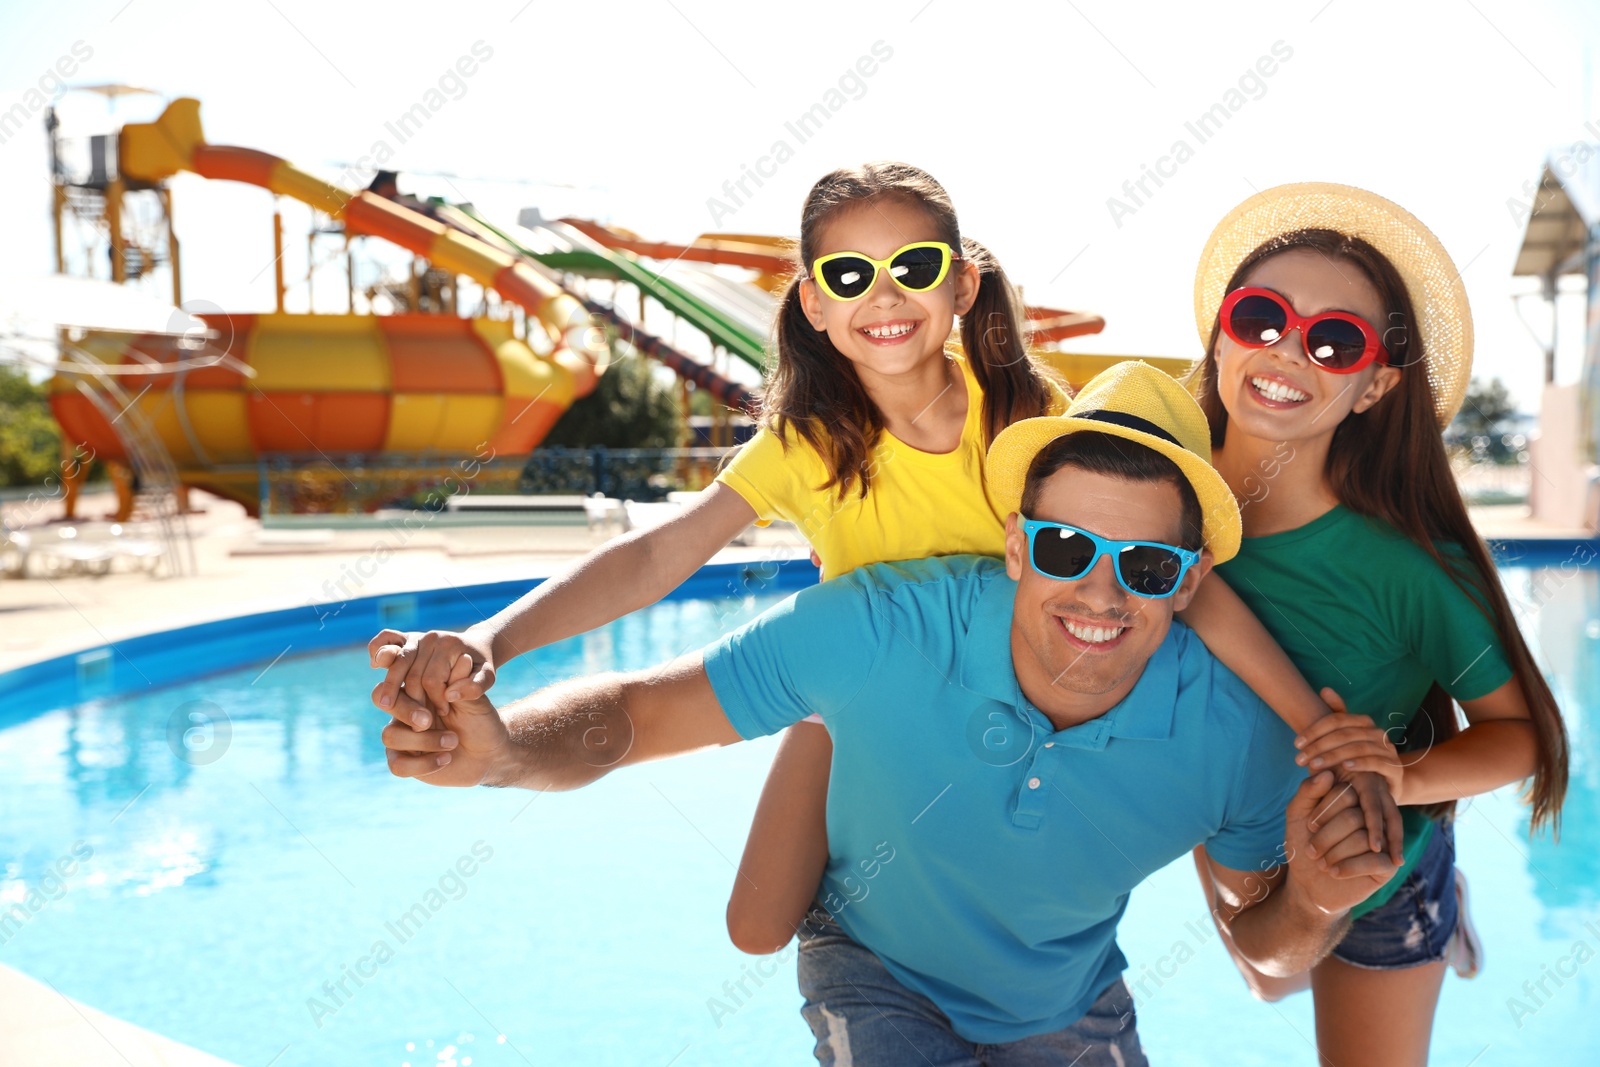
<point x="45" y="1028"/>
<point x="1511" y="522"/>
<point x="243" y="569"/>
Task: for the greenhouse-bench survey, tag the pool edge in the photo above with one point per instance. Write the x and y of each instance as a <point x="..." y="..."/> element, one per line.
<point x="45" y="1027"/>
<point x="161" y="657"/>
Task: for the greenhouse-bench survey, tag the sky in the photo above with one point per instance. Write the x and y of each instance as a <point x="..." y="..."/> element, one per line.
<point x="1033" y="116"/>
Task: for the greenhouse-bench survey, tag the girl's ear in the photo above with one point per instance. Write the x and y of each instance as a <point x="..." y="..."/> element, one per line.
<point x="811" y="304"/>
<point x="967" y="280"/>
<point x="1386" y="379"/>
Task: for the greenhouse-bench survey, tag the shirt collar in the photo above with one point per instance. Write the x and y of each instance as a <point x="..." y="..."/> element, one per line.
<point x="986" y="656"/>
<point x="1146" y="713"/>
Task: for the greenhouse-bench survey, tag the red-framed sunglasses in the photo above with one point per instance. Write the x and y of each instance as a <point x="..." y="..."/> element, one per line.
<point x="1336" y="341"/>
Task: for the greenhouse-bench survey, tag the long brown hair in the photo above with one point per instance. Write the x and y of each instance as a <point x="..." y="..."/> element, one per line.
<point x="815" y="390"/>
<point x="1389" y="462"/>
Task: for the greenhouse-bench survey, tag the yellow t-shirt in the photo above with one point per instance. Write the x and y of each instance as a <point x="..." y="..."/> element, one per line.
<point x="919" y="503"/>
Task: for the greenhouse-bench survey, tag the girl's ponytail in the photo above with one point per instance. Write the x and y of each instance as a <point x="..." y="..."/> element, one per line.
<point x="995" y="336"/>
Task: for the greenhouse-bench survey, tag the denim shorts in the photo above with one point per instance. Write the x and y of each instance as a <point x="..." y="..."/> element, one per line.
<point x="861" y="1015"/>
<point x="1413" y="927"/>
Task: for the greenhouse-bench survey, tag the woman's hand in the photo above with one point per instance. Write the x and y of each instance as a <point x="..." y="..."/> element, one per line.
<point x="1348" y="743"/>
<point x="423" y="662"/>
<point x="1323" y="745"/>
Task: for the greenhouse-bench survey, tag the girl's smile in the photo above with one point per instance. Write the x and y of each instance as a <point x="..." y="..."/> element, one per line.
<point x="892" y="332"/>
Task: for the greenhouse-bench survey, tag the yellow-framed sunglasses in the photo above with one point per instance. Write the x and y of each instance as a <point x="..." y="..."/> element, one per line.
<point x="916" y="268"/>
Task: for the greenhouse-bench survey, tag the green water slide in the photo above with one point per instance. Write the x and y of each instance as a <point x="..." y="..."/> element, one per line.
<point x="587" y="257"/>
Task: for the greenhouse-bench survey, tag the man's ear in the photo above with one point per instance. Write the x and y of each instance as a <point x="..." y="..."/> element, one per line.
<point x="811" y="304"/>
<point x="1191" y="581"/>
<point x="967" y="280"/>
<point x="1016" y="547"/>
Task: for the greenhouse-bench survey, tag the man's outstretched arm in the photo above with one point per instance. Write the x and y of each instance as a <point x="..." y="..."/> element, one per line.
<point x="562" y="737"/>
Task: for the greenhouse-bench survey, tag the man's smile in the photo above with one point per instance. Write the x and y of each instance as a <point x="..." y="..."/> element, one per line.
<point x="1092" y="635"/>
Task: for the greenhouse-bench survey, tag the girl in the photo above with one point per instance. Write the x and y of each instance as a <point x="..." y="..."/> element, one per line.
<point x="1338" y="344"/>
<point x="872" y="444"/>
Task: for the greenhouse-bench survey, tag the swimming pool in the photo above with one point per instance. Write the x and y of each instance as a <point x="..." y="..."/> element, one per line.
<point x="274" y="896"/>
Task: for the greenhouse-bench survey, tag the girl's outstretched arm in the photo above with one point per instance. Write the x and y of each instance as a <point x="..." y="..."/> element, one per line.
<point x="787" y="850"/>
<point x="1236" y="637"/>
<point x="621" y="576"/>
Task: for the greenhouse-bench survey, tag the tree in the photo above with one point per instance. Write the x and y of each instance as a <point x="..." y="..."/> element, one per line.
<point x="630" y="408"/>
<point x="1487" y="405"/>
<point x="30" y="442"/>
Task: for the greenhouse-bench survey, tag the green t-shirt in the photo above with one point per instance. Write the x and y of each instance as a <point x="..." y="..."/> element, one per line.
<point x="1361" y="608"/>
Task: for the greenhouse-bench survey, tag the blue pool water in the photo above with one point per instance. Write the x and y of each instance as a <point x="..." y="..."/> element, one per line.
<point x="257" y="905"/>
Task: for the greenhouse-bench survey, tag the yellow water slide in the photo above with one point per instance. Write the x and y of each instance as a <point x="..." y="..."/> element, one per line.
<point x="405" y="384"/>
<point x="157" y="150"/>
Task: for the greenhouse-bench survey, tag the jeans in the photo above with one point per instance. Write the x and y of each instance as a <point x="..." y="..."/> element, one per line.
<point x="1413" y="927"/>
<point x="862" y="1016"/>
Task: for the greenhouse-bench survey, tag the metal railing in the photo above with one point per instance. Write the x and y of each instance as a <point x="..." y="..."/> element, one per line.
<point x="357" y="484"/>
<point x="641" y="474"/>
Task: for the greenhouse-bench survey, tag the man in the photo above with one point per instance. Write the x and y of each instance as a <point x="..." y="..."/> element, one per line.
<point x="1017" y="744"/>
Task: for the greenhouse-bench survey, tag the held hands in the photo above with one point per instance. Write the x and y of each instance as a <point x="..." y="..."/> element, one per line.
<point x="1329" y="861"/>
<point x="1358" y="752"/>
<point x="457" y="746"/>
<point x="423" y="662"/>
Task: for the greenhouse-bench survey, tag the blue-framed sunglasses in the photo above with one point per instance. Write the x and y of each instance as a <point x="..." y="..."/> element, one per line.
<point x="1143" y="568"/>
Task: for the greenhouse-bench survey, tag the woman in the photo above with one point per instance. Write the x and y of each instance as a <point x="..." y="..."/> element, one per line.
<point x="1338" y="345"/>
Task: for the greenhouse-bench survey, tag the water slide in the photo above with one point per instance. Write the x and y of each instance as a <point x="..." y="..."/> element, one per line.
<point x="321" y="386"/>
<point x="768" y="256"/>
<point x="561" y="248"/>
<point x="406" y="384"/>
<point x="176" y="142"/>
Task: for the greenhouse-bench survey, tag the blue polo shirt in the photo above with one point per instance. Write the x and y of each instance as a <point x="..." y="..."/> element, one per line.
<point x="984" y="856"/>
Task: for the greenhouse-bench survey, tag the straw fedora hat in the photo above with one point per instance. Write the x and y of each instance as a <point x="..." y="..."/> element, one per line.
<point x="1134" y="401"/>
<point x="1444" y="319"/>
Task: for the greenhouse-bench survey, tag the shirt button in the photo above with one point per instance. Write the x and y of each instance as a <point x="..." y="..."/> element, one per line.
<point x="1049" y="744"/>
<point x="1033" y="783"/>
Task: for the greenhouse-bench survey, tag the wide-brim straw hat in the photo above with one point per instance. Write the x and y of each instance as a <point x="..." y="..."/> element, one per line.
<point x="1444" y="318"/>
<point x="1134" y="401"/>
